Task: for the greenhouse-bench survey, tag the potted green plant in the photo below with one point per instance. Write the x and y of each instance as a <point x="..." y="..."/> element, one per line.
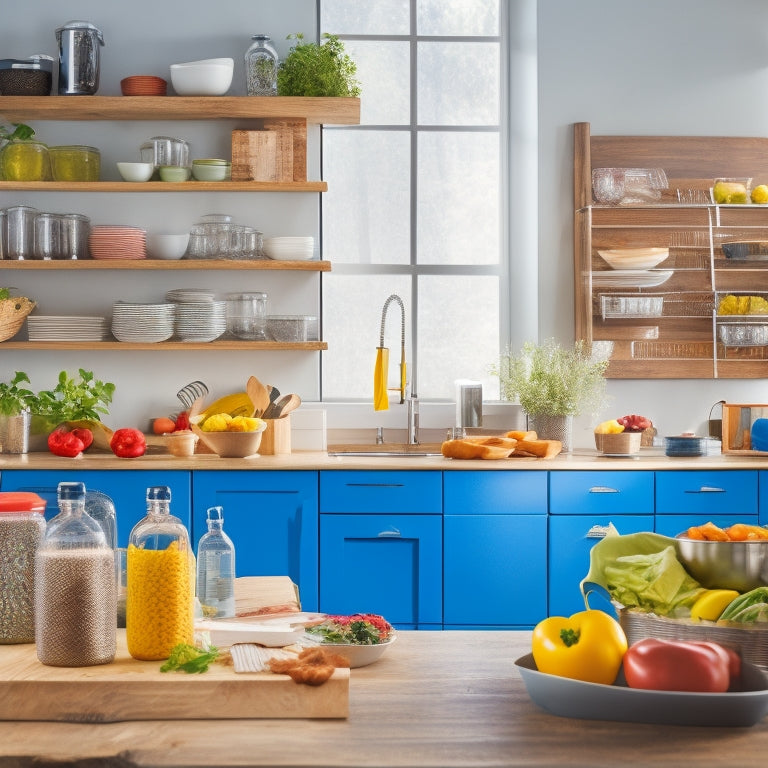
<point x="553" y="384"/>
<point x="15" y="401"/>
<point x="317" y="69"/>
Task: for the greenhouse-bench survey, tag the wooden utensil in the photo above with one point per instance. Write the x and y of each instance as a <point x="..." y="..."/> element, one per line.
<point x="284" y="405"/>
<point x="258" y="394"/>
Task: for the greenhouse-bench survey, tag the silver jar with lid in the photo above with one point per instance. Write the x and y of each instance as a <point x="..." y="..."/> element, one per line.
<point x="79" y="58"/>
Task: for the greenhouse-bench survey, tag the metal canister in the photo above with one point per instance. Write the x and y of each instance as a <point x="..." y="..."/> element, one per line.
<point x="79" y="58"/>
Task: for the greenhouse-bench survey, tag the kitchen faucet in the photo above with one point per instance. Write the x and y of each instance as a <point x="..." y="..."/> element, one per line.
<point x="381" y="403"/>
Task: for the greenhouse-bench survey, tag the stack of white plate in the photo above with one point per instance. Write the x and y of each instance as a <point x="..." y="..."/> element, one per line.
<point x="142" y="322"/>
<point x="67" y="328"/>
<point x="201" y="320"/>
<point x="182" y="295"/>
<point x="289" y="248"/>
<point x="108" y="241"/>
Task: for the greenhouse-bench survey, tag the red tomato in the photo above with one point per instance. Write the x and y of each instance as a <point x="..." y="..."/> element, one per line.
<point x="182" y="422"/>
<point x="63" y="443"/>
<point x="128" y="443"/>
<point x="672" y="665"/>
<point x="85" y="435"/>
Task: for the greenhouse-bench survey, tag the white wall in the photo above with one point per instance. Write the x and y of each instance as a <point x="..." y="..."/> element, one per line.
<point x="657" y="67"/>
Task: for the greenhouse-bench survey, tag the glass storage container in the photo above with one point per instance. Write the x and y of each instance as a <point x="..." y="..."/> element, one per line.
<point x="75" y="163"/>
<point x="261" y="62"/>
<point x="22" y="527"/>
<point x="75" y="590"/>
<point x="216" y="569"/>
<point x="159" y="610"/>
<point x="25" y="161"/>
<point x="247" y="315"/>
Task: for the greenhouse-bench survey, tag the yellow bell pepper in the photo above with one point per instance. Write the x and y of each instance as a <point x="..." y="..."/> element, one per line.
<point x="588" y="646"/>
<point x="610" y="427"/>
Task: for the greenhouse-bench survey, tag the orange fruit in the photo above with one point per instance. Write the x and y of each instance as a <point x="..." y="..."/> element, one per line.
<point x="162" y="425"/>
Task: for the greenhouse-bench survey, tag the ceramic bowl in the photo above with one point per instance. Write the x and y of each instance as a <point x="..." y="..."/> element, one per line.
<point x="231" y="445"/>
<point x="162" y="245"/>
<point x="211" y="170"/>
<point x="136" y="171"/>
<point x="174" y="173"/>
<point x="360" y="655"/>
<point x="207" y="77"/>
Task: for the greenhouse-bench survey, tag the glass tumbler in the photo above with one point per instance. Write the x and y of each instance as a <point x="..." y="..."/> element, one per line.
<point x="19" y="231"/>
<point x="75" y="229"/>
<point x="247" y="315"/>
<point x="47" y="240"/>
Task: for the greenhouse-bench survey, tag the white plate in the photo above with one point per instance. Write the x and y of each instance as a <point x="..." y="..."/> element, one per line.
<point x="593" y="701"/>
<point x="225" y="633"/>
<point x="630" y="278"/>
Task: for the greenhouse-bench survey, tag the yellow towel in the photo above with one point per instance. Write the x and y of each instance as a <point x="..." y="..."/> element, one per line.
<point x="380" y="397"/>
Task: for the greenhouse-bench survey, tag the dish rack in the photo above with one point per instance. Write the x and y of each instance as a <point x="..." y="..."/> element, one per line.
<point x="751" y="642"/>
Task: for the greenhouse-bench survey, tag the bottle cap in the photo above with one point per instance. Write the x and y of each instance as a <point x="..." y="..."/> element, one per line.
<point x="71" y="491"/>
<point x="159" y="493"/>
<point x="216" y="513"/>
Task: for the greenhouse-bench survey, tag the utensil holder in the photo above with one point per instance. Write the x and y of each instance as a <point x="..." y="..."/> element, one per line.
<point x="276" y="440"/>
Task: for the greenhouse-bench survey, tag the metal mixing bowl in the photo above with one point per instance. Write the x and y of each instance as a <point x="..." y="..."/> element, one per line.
<point x="739" y="565"/>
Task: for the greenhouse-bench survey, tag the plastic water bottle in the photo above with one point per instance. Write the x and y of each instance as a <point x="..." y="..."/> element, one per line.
<point x="216" y="569"/>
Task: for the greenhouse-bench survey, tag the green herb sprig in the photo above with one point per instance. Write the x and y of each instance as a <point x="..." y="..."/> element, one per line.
<point x="14" y="399"/>
<point x="312" y="69"/>
<point x="75" y="398"/>
<point x="187" y="658"/>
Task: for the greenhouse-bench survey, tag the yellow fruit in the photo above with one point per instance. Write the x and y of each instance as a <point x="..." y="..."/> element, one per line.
<point x="729" y="192"/>
<point x="712" y="603"/>
<point x="610" y="427"/>
<point x="760" y="194"/>
<point x="236" y="404"/>
<point x="219" y="422"/>
<point x="244" y="424"/>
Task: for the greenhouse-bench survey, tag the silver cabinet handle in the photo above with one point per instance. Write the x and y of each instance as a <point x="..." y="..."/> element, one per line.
<point x="603" y="489"/>
<point x="391" y="533"/>
<point x="598" y="532"/>
<point x="708" y="489"/>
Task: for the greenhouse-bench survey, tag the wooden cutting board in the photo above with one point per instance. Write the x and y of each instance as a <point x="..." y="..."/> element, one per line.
<point x="128" y="689"/>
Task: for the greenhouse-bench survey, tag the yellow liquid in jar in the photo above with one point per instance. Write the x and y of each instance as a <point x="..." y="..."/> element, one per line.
<point x="159" y="610"/>
<point x="74" y="164"/>
<point x="25" y="161"/>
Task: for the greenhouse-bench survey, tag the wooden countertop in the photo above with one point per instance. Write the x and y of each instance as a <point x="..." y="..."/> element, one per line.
<point x="649" y="459"/>
<point x="436" y="699"/>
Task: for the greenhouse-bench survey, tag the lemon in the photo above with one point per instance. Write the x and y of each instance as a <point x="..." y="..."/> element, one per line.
<point x="760" y="194"/>
<point x="712" y="603"/>
<point x="729" y="192"/>
<point x="610" y="427"/>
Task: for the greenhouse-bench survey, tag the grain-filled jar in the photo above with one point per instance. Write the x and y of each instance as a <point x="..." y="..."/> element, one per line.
<point x="160" y="578"/>
<point x="75" y="162"/>
<point x="22" y="527"/>
<point x="75" y="587"/>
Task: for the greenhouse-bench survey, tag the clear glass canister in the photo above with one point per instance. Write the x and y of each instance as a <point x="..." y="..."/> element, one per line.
<point x="22" y="527"/>
<point x="75" y="163"/>
<point x="216" y="569"/>
<point x="25" y="161"/>
<point x="247" y="315"/>
<point x="75" y="590"/>
<point x="159" y="610"/>
<point x="261" y="63"/>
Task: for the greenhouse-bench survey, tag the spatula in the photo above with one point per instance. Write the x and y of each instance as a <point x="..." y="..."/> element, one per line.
<point x="258" y="394"/>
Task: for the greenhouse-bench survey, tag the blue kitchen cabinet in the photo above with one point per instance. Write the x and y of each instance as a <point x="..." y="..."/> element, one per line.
<point x="127" y="488"/>
<point x="381" y="535"/>
<point x="582" y="506"/>
<point x="707" y="493"/>
<point x="494" y="549"/>
<point x="272" y="519"/>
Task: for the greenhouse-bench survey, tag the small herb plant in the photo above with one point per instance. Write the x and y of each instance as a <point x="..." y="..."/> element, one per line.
<point x="312" y="69"/>
<point x="551" y="380"/>
<point x="14" y="398"/>
<point x="75" y="399"/>
<point x="20" y="132"/>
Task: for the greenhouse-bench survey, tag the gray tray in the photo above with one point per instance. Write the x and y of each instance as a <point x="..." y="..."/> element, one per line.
<point x="592" y="701"/>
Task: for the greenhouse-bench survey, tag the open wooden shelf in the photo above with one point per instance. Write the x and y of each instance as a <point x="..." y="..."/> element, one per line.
<point x="164" y="186"/>
<point x="220" y="345"/>
<point x="168" y="264"/>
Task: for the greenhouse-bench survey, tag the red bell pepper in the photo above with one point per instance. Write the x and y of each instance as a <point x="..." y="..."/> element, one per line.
<point x="182" y="422"/>
<point x="678" y="665"/>
<point x="128" y="443"/>
<point x="85" y="435"/>
<point x="64" y="443"/>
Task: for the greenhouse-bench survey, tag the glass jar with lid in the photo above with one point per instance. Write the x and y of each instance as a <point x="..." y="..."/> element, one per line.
<point x="75" y="589"/>
<point x="160" y="586"/>
<point x="75" y="163"/>
<point x="22" y="527"/>
<point x="247" y="315"/>
<point x="261" y="63"/>
<point x="25" y="161"/>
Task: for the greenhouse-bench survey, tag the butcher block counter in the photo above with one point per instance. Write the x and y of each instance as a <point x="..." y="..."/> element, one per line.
<point x="434" y="699"/>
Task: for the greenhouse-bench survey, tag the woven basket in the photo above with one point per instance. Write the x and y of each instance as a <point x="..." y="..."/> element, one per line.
<point x="619" y="443"/>
<point x="750" y="641"/>
<point x="12" y="314"/>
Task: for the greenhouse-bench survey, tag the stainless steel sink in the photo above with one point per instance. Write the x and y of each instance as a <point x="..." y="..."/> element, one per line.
<point x="386" y="450"/>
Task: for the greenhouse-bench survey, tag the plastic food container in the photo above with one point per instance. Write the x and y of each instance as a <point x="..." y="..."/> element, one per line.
<point x="685" y="445"/>
<point x="22" y="526"/>
<point x="247" y="315"/>
<point x="631" y="306"/>
<point x="743" y="334"/>
<point x="288" y="328"/>
<point x="75" y="163"/>
<point x="26" y="77"/>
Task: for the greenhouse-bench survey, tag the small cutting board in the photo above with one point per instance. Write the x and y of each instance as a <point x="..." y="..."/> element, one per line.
<point x="128" y="689"/>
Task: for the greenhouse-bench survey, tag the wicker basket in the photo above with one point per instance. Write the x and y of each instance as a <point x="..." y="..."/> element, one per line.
<point x="12" y="314"/>
<point x="619" y="443"/>
<point x="750" y="641"/>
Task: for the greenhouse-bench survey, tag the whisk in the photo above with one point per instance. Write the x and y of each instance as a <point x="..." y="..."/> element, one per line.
<point x="191" y="392"/>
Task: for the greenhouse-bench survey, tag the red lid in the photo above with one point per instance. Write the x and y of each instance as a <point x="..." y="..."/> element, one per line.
<point x="21" y="501"/>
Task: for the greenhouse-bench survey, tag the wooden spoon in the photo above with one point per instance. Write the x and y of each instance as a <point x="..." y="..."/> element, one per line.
<point x="284" y="405"/>
<point x="259" y="395"/>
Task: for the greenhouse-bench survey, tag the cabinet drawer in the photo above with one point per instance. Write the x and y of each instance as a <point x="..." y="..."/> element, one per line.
<point x="381" y="491"/>
<point x="707" y="492"/>
<point x="604" y="493"/>
<point x="495" y="493"/>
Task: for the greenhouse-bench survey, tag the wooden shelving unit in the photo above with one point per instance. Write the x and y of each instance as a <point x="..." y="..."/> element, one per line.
<point x="221" y="345"/>
<point x="683" y="342"/>
<point x="188" y="265"/>
<point x="164" y="186"/>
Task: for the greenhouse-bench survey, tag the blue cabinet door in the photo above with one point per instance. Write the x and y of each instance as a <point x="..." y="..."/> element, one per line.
<point x="385" y="564"/>
<point x="272" y="519"/>
<point x="127" y="488"/>
<point x="571" y="537"/>
<point x="361" y="492"/>
<point x="618" y="492"/>
<point x="494" y="549"/>
<point x="707" y="492"/>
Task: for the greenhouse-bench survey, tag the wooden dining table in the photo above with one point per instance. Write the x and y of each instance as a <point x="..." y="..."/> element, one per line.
<point x="434" y="699"/>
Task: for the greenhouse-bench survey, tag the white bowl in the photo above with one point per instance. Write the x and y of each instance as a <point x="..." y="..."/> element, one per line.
<point x="360" y="655"/>
<point x="167" y="246"/>
<point x="634" y="258"/>
<point x="136" y="171"/>
<point x="207" y="77"/>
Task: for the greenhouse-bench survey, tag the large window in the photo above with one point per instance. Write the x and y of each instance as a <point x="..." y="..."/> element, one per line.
<point x="415" y="204"/>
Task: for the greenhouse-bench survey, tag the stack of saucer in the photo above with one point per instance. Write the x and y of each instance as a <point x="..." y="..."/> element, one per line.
<point x="67" y="328"/>
<point x="108" y="241"/>
<point x="132" y="321"/>
<point x="182" y="295"/>
<point x="289" y="248"/>
<point x="201" y="320"/>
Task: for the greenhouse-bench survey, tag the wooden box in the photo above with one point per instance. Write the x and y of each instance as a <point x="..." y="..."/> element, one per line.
<point x="738" y="419"/>
<point x="278" y="152"/>
<point x="276" y="438"/>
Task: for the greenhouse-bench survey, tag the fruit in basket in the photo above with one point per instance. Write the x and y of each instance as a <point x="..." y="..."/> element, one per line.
<point x="760" y="194"/>
<point x="729" y="192"/>
<point x="710" y="605"/>
<point x="634" y="423"/>
<point x="588" y="646"/>
<point x="610" y="427"/>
